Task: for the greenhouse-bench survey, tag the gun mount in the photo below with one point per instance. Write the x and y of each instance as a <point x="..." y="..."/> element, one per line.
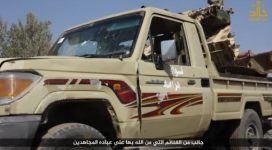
<point x="224" y="51"/>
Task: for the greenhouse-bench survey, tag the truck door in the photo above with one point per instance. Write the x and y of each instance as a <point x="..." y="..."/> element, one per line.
<point x="171" y="99"/>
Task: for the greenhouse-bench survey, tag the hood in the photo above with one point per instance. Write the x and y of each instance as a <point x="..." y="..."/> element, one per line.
<point x="70" y="64"/>
<point x="3" y="59"/>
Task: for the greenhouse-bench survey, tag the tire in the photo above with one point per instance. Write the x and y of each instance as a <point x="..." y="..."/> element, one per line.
<point x="268" y="134"/>
<point x="250" y="123"/>
<point x="70" y="131"/>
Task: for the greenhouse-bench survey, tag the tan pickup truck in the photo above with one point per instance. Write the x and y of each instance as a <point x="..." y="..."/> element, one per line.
<point x="100" y="80"/>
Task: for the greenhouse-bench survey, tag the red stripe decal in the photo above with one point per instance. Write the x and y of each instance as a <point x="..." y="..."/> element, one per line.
<point x="125" y="94"/>
<point x="56" y="81"/>
<point x="73" y="81"/>
<point x="174" y="100"/>
<point x="85" y="81"/>
<point x="176" y="111"/>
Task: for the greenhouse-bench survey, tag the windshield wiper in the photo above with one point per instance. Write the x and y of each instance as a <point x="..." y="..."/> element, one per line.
<point x="118" y="53"/>
<point x="114" y="54"/>
<point x="91" y="56"/>
<point x="102" y="56"/>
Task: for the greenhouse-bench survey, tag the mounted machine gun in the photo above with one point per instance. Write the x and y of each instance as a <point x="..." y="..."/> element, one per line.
<point x="224" y="51"/>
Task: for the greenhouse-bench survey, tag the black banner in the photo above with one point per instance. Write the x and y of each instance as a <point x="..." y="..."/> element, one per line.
<point x="130" y="142"/>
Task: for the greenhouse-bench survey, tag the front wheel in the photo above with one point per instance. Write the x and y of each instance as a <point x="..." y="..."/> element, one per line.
<point x="60" y="133"/>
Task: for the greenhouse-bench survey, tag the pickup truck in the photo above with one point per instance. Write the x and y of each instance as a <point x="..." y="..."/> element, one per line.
<point x="142" y="74"/>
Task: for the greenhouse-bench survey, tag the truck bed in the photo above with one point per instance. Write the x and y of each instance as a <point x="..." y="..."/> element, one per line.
<point x="265" y="79"/>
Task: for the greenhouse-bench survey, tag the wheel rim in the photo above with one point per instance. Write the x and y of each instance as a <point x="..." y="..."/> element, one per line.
<point x="252" y="134"/>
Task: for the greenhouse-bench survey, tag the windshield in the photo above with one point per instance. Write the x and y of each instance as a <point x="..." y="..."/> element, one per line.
<point x="110" y="37"/>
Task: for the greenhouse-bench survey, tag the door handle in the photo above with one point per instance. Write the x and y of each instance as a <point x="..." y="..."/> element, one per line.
<point x="191" y="82"/>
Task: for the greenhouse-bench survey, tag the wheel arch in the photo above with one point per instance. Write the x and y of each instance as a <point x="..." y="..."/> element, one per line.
<point x="97" y="113"/>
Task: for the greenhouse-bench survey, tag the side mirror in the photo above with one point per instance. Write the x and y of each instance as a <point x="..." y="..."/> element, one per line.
<point x="159" y="63"/>
<point x="168" y="50"/>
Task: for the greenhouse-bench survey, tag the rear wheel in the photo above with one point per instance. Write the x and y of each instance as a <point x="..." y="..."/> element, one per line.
<point x="70" y="131"/>
<point x="268" y="134"/>
<point x="246" y="133"/>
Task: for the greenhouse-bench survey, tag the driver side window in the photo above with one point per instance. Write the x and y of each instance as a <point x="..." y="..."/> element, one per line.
<point x="169" y="42"/>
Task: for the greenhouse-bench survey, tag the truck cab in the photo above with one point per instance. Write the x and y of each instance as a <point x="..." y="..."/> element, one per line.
<point x="167" y="96"/>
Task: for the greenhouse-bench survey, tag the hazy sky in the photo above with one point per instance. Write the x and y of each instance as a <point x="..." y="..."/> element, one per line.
<point x="256" y="36"/>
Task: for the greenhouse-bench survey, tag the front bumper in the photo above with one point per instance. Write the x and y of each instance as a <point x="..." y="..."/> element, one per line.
<point x="16" y="128"/>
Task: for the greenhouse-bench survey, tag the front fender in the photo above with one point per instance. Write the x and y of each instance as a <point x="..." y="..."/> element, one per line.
<point x="123" y="113"/>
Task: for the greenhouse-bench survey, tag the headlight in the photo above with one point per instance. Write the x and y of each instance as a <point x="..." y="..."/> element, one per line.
<point x="14" y="85"/>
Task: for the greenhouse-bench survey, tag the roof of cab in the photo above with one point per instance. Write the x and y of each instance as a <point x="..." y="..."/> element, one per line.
<point x="146" y="9"/>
